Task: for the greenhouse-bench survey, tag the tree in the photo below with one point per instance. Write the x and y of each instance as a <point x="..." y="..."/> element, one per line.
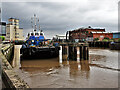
<point x="2" y="38"/>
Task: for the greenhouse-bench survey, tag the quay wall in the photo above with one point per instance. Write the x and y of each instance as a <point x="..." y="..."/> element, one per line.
<point x="114" y="46"/>
<point x="99" y="44"/>
<point x="9" y="78"/>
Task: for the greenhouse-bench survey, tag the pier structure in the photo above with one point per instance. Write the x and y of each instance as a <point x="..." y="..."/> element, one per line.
<point x="75" y="51"/>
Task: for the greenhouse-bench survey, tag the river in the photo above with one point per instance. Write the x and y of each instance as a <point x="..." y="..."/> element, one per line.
<point x="101" y="71"/>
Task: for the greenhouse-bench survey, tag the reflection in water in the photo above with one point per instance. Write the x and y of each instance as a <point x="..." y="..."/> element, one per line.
<point x="79" y="69"/>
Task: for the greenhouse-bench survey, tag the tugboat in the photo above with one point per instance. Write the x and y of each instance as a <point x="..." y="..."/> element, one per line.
<point x="36" y="46"/>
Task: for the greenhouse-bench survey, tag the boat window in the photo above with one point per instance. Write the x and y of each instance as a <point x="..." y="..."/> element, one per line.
<point x="41" y="33"/>
<point x="36" y="34"/>
<point x="32" y="34"/>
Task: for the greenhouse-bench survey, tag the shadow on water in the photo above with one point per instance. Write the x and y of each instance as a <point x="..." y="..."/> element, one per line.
<point x="36" y="58"/>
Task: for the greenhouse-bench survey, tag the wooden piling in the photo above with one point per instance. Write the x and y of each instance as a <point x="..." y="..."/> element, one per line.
<point x="81" y="53"/>
<point x="65" y="52"/>
<point x="75" y="51"/>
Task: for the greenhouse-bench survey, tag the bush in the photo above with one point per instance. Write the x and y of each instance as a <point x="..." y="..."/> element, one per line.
<point x="106" y="38"/>
<point x="111" y="40"/>
<point x="2" y="38"/>
<point x="96" y="39"/>
<point x="119" y="40"/>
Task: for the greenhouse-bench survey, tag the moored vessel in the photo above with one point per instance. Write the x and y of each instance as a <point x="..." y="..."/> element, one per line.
<point x="36" y="45"/>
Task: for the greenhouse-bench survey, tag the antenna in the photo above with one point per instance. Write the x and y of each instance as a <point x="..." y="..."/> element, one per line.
<point x="34" y="23"/>
<point x="39" y="24"/>
<point x="39" y="27"/>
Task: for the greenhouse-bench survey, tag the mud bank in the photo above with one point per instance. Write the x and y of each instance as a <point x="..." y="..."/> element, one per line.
<point x="101" y="71"/>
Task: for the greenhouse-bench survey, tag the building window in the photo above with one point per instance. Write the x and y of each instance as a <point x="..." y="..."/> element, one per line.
<point x="16" y="37"/>
<point x="16" y="33"/>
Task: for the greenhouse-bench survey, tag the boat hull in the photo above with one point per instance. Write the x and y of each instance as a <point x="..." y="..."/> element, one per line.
<point x="41" y="52"/>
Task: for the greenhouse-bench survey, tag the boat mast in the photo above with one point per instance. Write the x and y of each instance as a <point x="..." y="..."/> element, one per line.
<point x="39" y="24"/>
<point x="35" y="18"/>
<point x="34" y="21"/>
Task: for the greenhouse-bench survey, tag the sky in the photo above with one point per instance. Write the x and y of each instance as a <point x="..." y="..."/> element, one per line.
<point x="59" y="16"/>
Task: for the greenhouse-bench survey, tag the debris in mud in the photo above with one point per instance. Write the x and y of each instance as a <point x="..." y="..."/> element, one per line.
<point x="96" y="57"/>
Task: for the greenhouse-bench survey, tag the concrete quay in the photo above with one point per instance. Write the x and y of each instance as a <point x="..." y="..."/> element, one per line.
<point x="9" y="78"/>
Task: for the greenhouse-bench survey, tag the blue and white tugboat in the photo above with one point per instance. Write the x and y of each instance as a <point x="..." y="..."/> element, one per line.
<point x="37" y="46"/>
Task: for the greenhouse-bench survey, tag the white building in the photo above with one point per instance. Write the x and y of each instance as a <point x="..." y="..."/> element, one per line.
<point x="13" y="32"/>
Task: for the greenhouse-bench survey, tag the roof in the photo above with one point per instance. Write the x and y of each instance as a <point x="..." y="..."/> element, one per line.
<point x="93" y="28"/>
<point x="96" y="28"/>
<point x="61" y="35"/>
<point x="115" y="31"/>
<point x="101" y="32"/>
<point x="13" y="18"/>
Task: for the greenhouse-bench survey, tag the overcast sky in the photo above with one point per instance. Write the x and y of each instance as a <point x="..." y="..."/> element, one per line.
<point x="59" y="17"/>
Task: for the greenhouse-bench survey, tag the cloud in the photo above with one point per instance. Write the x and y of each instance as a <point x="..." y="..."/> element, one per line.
<point x="58" y="17"/>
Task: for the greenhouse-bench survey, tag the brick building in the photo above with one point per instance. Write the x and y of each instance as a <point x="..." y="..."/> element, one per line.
<point x="84" y="34"/>
<point x="102" y="35"/>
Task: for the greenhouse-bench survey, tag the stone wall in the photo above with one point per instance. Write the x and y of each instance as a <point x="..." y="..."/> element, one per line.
<point x="9" y="78"/>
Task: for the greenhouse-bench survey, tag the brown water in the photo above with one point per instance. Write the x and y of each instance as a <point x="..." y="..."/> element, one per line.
<point x="101" y="71"/>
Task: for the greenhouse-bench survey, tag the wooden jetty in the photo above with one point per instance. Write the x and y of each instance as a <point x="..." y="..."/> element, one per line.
<point x="75" y="51"/>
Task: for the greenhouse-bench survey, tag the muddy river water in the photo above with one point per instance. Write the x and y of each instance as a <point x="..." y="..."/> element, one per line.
<point x="101" y="71"/>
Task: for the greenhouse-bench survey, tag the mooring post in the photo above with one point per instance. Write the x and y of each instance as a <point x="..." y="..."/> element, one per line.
<point x="16" y="59"/>
<point x="86" y="53"/>
<point x="65" y="52"/>
<point x="72" y="52"/>
<point x="78" y="53"/>
<point x="60" y="55"/>
<point x="81" y="52"/>
<point x="75" y="53"/>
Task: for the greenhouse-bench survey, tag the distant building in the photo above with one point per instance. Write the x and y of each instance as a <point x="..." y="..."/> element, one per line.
<point x="2" y="28"/>
<point x="60" y="38"/>
<point x="13" y="32"/>
<point x="102" y="35"/>
<point x="116" y="35"/>
<point x="84" y="34"/>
